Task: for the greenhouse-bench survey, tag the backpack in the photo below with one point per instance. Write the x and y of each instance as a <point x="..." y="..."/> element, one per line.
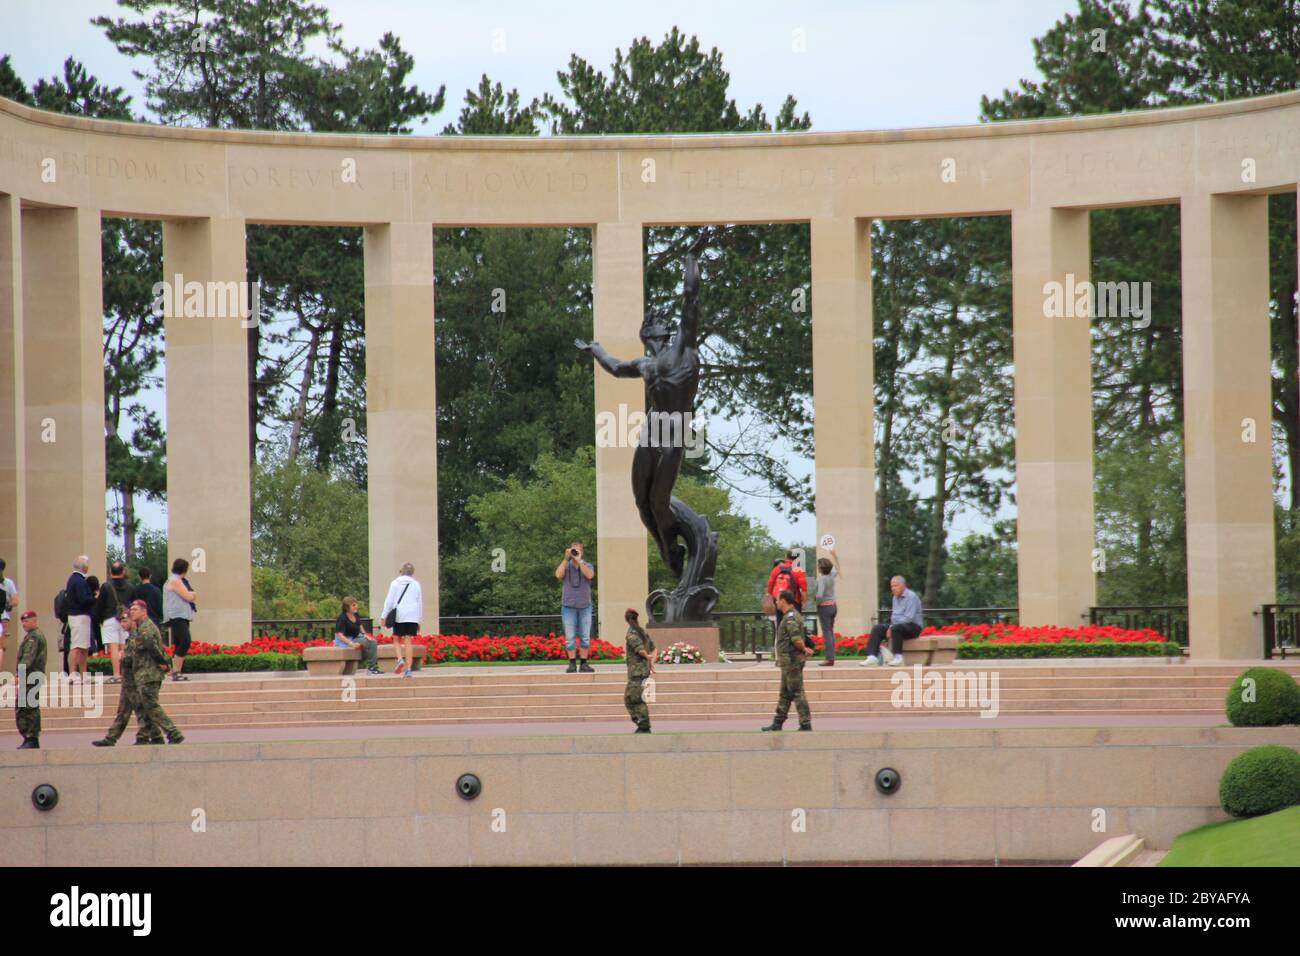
<point x="786" y="581"/>
<point x="61" y="606"/>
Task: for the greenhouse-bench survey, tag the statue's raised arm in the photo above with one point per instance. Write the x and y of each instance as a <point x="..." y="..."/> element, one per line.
<point x="614" y="366"/>
<point x="689" y="334"/>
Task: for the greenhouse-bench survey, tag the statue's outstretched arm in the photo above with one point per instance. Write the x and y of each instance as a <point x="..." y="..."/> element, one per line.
<point x="614" y="366"/>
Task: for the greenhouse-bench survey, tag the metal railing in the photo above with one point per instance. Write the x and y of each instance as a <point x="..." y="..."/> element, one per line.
<point x="1169" y="619"/>
<point x="939" y="616"/>
<point x="504" y="625"/>
<point x="1281" y="630"/>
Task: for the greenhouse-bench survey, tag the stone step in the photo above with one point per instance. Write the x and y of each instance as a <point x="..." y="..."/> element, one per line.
<point x="1139" y="671"/>
<point x="397" y="712"/>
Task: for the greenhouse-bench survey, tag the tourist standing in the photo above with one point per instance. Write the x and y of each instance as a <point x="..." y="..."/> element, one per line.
<point x="103" y="623"/>
<point x="148" y="662"/>
<point x="827" y="571"/>
<point x="791" y="653"/>
<point x="575" y="606"/>
<point x="79" y="603"/>
<point x="31" y="677"/>
<point x="402" y="615"/>
<point x="178" y="611"/>
<point x="639" y="651"/>
<point x="348" y="632"/>
<point x="8" y="602"/>
<point x="152" y="596"/>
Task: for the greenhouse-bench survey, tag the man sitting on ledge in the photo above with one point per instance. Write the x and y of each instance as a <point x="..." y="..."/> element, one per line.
<point x="905" y="623"/>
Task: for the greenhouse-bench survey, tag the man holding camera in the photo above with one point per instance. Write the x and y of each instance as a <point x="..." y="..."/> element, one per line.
<point x="575" y="606"/>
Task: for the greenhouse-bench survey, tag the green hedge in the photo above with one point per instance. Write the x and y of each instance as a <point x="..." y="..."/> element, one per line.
<point x="220" y="663"/>
<point x="1276" y="699"/>
<point x="1261" y="780"/>
<point x="977" y="650"/>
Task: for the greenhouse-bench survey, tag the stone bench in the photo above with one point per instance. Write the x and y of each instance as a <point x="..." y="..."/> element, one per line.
<point x="339" y="661"/>
<point x="931" y="649"/>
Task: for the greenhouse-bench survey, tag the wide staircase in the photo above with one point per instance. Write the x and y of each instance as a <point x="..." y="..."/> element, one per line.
<point x="457" y="695"/>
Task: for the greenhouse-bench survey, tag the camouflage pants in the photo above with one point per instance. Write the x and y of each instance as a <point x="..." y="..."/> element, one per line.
<point x="635" y="703"/>
<point x="792" y="690"/>
<point x="152" y="712"/>
<point x="29" y="722"/>
<point x="127" y="704"/>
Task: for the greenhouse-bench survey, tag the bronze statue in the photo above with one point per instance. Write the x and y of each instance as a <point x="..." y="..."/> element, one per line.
<point x="671" y="372"/>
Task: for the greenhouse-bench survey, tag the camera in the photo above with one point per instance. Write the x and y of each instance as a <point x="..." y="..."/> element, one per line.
<point x="573" y="551"/>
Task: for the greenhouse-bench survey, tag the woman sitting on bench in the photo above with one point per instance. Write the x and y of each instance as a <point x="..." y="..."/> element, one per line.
<point x="348" y="632"/>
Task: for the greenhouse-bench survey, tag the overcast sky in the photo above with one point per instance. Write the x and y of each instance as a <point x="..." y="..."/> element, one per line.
<point x="873" y="64"/>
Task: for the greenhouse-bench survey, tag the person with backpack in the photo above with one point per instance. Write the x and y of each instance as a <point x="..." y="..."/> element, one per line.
<point x="61" y="615"/>
<point x="786" y="576"/>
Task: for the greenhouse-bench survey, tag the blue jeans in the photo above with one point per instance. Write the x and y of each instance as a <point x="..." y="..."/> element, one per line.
<point x="577" y="620"/>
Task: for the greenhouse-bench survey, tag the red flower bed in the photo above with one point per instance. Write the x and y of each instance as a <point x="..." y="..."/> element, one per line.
<point x="441" y="647"/>
<point x="1045" y="633"/>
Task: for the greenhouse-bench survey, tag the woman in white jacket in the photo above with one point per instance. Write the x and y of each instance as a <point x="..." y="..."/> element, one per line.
<point x="405" y="599"/>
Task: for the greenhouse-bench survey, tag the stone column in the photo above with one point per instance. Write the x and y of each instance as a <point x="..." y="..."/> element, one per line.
<point x="1053" y="406"/>
<point x="401" y="411"/>
<point x="208" y="471"/>
<point x="844" y="410"/>
<point x="13" y="456"/>
<point x="63" y="354"/>
<point x="618" y="304"/>
<point x="1227" y="430"/>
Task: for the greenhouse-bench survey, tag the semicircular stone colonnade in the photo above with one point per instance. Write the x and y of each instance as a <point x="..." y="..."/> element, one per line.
<point x="59" y="175"/>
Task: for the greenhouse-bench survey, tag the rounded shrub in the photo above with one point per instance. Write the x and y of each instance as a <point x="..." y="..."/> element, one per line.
<point x="1261" y="780"/>
<point x="1264" y="697"/>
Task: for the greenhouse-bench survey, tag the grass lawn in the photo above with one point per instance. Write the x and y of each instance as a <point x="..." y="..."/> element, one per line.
<point x="1270" y="840"/>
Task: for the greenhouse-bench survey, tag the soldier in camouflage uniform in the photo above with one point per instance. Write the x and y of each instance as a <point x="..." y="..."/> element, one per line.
<point x="639" y="651"/>
<point x="128" y="703"/>
<point x="791" y="652"/>
<point x="31" y="674"/>
<point x="148" y="660"/>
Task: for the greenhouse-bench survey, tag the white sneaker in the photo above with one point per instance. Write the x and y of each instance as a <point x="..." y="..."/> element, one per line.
<point x="896" y="660"/>
<point x="886" y="654"/>
<point x="872" y="661"/>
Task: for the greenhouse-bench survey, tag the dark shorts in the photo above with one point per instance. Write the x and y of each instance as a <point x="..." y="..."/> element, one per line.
<point x="180" y="634"/>
<point x="406" y="629"/>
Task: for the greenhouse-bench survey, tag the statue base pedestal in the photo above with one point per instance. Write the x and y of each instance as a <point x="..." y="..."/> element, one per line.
<point x="707" y="637"/>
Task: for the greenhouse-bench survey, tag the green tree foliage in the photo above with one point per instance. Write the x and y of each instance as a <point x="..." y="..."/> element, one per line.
<point x="235" y="65"/>
<point x="943" y="389"/>
<point x="280" y="595"/>
<point x="150" y="552"/>
<point x="511" y="386"/>
<point x="756" y="339"/>
<point x="312" y="527"/>
<point x="981" y="570"/>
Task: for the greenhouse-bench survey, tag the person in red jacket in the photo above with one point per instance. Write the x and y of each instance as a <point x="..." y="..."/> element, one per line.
<point x="788" y="576"/>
